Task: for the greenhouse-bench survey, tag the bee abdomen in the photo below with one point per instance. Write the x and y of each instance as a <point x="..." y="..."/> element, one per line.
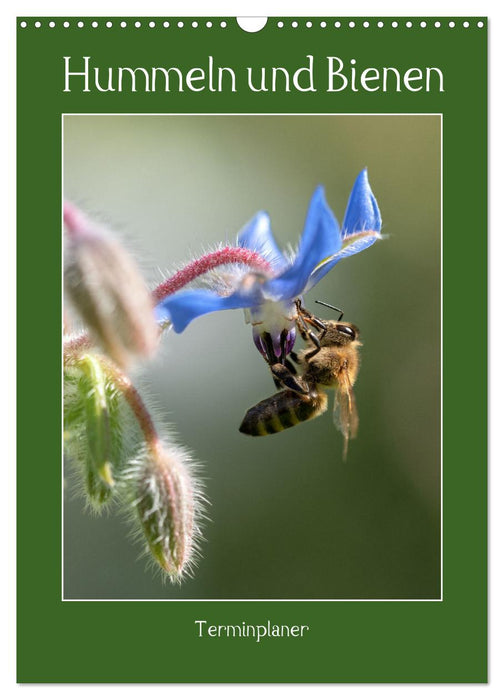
<point x="281" y="411"/>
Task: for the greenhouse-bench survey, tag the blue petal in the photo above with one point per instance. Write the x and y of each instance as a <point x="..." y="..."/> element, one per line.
<point x="256" y="235"/>
<point x="352" y="248"/>
<point x="321" y="240"/>
<point x="362" y="213"/>
<point x="184" y="307"/>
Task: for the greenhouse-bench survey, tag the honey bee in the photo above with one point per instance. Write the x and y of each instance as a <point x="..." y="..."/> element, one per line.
<point x="330" y="360"/>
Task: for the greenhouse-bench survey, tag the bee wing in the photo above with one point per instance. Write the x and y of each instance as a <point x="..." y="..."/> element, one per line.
<point x="345" y="416"/>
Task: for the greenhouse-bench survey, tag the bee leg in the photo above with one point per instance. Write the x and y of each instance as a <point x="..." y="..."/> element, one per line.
<point x="295" y="357"/>
<point x="305" y="332"/>
<point x="309" y="317"/>
<point x="318" y="323"/>
<point x="302" y="328"/>
<point x="306" y="317"/>
<point x="303" y="319"/>
<point x="288" y="380"/>
<point x="316" y="341"/>
<point x="290" y="366"/>
<point x="313" y="352"/>
<point x="300" y="320"/>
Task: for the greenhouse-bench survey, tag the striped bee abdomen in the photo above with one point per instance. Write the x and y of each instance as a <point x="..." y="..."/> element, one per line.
<point x="281" y="411"/>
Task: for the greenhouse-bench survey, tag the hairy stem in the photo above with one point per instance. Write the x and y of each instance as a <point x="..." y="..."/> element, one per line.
<point x="207" y="262"/>
<point x="73" y="350"/>
<point x="187" y="274"/>
<point x="136" y="404"/>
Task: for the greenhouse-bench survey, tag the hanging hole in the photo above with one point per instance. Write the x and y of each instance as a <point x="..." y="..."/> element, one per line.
<point x="252" y="24"/>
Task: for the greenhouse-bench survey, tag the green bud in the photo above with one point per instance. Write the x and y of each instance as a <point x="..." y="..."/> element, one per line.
<point x="93" y="430"/>
<point x="166" y="503"/>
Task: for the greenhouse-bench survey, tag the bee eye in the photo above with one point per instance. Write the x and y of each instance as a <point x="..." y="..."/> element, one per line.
<point x="346" y="330"/>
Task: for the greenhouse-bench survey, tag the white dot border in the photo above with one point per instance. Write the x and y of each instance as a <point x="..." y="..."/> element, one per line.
<point x="280" y="23"/>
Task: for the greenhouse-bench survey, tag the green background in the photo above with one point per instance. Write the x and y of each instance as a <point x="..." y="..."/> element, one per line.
<point x="289" y="520"/>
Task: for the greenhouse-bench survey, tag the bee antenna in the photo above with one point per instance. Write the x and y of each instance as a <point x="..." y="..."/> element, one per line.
<point x="330" y="306"/>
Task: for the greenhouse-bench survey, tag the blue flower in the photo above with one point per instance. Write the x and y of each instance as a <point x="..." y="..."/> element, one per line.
<point x="269" y="299"/>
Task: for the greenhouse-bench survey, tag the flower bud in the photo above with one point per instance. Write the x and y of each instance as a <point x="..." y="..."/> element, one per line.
<point x="166" y="503"/>
<point x="98" y="432"/>
<point x="108" y="291"/>
<point x="93" y="433"/>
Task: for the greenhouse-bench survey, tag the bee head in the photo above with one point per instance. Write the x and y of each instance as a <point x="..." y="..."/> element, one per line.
<point x="340" y="333"/>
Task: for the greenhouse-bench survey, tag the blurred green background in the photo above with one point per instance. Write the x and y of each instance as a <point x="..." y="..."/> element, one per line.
<point x="289" y="519"/>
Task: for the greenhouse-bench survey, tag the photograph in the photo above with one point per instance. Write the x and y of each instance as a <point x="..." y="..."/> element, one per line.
<point x="252" y="357"/>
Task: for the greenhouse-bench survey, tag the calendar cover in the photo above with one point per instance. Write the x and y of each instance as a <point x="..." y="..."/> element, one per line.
<point x="252" y="349"/>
